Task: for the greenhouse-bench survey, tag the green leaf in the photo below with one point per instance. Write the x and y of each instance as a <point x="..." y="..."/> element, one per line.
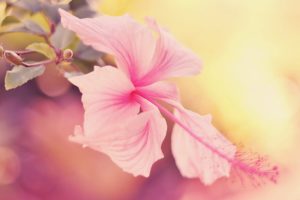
<point x="62" y="37"/>
<point x="9" y="20"/>
<point x="34" y="27"/>
<point x="28" y="26"/>
<point x="18" y="12"/>
<point x="20" y="75"/>
<point x="2" y="11"/>
<point x="42" y="48"/>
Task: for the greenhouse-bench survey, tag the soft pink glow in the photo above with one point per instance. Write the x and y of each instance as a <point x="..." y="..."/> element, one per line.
<point x="118" y="119"/>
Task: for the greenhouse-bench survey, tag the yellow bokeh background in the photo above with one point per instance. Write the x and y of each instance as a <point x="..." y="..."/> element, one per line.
<point x="250" y="81"/>
<point x="250" y="51"/>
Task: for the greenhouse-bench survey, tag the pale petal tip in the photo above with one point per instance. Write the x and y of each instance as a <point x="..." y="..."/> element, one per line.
<point x="62" y="12"/>
<point x="65" y="17"/>
<point x="146" y="172"/>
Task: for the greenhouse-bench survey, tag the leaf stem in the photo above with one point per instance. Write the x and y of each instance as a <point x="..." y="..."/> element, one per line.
<point x="47" y="40"/>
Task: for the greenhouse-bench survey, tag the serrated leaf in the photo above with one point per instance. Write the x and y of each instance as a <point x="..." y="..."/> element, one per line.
<point x="62" y="37"/>
<point x="19" y="75"/>
<point x="42" y="48"/>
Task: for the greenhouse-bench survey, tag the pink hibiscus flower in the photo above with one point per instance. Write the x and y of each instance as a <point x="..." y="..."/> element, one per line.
<point x="123" y="105"/>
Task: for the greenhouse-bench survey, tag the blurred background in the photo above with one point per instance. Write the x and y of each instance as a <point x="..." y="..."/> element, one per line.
<point x="250" y="84"/>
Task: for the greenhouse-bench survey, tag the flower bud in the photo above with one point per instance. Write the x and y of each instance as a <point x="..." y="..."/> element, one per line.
<point x="12" y="57"/>
<point x="67" y="54"/>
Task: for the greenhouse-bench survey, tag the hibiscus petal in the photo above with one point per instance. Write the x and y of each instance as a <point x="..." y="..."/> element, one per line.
<point x="131" y="43"/>
<point x="106" y="96"/>
<point x="133" y="145"/>
<point x="170" y="59"/>
<point x="192" y="157"/>
<point x="160" y="90"/>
